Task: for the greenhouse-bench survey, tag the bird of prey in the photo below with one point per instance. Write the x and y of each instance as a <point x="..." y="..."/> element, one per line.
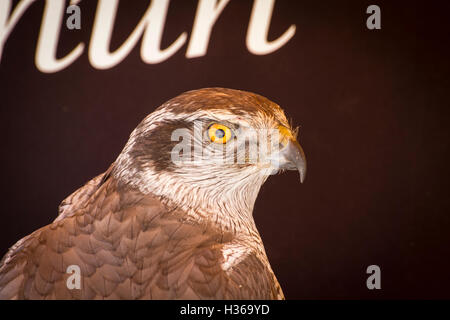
<point x="155" y="226"/>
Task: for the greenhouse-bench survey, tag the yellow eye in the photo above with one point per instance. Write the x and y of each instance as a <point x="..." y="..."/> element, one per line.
<point x="219" y="133"/>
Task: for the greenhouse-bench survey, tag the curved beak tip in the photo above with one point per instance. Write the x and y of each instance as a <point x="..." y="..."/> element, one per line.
<point x="302" y="174"/>
<point x="297" y="158"/>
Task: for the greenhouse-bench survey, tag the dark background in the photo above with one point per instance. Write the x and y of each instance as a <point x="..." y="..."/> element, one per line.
<point x="373" y="111"/>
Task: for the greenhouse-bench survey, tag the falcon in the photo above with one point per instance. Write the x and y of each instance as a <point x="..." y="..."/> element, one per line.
<point x="172" y="217"/>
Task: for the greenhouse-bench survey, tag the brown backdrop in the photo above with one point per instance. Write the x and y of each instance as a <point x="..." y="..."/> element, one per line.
<point x="373" y="111"/>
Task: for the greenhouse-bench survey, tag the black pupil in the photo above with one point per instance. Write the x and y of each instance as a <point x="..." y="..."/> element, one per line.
<point x="220" y="133"/>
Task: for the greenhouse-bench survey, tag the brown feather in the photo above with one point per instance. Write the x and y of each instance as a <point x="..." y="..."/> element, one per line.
<point x="158" y="259"/>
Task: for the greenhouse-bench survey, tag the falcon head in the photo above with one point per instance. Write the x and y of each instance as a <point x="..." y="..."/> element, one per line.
<point x="209" y="151"/>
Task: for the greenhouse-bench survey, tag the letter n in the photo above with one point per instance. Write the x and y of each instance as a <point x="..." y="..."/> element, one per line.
<point x="7" y="21"/>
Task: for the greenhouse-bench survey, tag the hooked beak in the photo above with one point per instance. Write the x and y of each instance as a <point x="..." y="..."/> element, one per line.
<point x="290" y="155"/>
<point x="294" y="158"/>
